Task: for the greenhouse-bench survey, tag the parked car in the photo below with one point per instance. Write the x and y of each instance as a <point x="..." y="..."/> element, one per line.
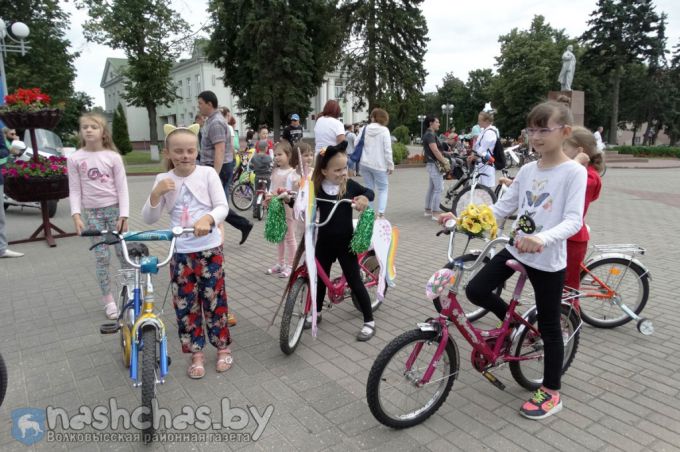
<point x="49" y="144"/>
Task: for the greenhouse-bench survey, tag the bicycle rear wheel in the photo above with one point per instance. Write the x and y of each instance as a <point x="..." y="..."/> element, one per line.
<point x="481" y="195"/>
<point x="627" y="279"/>
<point x="242" y="196"/>
<point x="529" y="372"/>
<point x="372" y="265"/>
<point x="392" y="390"/>
<point x="294" y="314"/>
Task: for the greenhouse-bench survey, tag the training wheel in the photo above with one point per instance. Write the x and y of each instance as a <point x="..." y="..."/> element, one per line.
<point x="645" y="326"/>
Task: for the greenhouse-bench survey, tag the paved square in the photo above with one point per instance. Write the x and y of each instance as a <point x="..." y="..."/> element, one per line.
<point x="621" y="393"/>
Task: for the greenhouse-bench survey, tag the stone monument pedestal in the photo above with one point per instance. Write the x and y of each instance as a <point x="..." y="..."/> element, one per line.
<point x="577" y="103"/>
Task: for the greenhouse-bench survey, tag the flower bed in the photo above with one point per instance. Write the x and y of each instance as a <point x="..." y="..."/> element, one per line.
<point x="38" y="180"/>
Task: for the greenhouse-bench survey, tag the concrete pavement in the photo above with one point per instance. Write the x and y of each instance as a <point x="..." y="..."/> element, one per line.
<point x="621" y="392"/>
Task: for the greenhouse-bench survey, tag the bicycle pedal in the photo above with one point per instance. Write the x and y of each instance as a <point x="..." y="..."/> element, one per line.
<point x="493" y="380"/>
<point x="109" y="328"/>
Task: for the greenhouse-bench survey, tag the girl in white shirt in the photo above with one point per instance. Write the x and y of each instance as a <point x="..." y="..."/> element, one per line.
<point x="193" y="197"/>
<point x="551" y="192"/>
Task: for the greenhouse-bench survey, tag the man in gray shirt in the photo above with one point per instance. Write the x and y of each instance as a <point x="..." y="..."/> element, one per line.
<point x="217" y="151"/>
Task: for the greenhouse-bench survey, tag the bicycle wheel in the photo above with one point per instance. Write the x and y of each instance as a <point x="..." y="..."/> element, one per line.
<point x="3" y="380"/>
<point x="449" y="194"/>
<point x="481" y="195"/>
<point x="242" y="196"/>
<point x="529" y="372"/>
<point x="293" y="318"/>
<point x="629" y="282"/>
<point x="371" y="263"/>
<point x="392" y="390"/>
<point x="126" y="322"/>
<point x="259" y="212"/>
<point x="149" y="372"/>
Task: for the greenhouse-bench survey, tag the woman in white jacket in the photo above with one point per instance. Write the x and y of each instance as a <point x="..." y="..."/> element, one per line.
<point x="376" y="159"/>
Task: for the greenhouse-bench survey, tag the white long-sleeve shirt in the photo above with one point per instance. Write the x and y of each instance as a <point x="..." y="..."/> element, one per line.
<point x="484" y="149"/>
<point x="554" y="199"/>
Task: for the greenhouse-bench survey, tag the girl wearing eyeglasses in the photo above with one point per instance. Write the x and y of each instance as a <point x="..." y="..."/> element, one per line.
<point x="550" y="193"/>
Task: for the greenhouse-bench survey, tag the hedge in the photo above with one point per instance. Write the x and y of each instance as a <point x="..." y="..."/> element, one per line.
<point x="649" y="151"/>
<point x="402" y="134"/>
<point x="399" y="152"/>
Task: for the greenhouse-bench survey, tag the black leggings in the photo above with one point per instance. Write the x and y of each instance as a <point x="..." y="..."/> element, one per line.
<point x="327" y="251"/>
<point x="548" y="293"/>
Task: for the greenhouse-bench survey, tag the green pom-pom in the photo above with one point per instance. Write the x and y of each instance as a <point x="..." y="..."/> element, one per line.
<point x="275" y="226"/>
<point x="361" y="240"/>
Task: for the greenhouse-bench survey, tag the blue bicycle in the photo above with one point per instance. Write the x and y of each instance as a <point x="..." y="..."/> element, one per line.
<point x="142" y="333"/>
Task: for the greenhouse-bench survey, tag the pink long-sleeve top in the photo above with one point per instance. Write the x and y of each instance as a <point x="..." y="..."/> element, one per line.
<point x="97" y="179"/>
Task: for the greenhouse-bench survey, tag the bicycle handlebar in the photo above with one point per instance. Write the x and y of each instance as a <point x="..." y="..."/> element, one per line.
<point x="330" y="215"/>
<point x="140" y="236"/>
<point x="450" y="228"/>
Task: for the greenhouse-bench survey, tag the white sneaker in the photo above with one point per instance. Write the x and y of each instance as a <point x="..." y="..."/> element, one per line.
<point x="10" y="253"/>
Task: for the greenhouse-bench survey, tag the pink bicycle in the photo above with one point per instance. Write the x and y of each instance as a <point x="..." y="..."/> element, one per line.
<point x="412" y="376"/>
<point x="298" y="304"/>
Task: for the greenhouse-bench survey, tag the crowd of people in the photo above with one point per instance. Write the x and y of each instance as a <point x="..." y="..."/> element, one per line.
<point x="199" y="161"/>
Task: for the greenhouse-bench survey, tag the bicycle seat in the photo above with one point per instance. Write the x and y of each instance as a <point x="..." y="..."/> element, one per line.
<point x="137" y="250"/>
<point x="516" y="266"/>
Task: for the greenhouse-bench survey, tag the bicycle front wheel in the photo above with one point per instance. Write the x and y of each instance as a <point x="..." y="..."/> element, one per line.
<point x="149" y="373"/>
<point x="529" y="372"/>
<point x="394" y="394"/>
<point x="625" y="278"/>
<point x="242" y="196"/>
<point x="481" y="195"/>
<point x="294" y="314"/>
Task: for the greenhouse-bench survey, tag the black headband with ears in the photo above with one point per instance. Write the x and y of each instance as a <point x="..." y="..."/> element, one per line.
<point x="328" y="152"/>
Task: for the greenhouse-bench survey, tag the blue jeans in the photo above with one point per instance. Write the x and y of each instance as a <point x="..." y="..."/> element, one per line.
<point x="434" y="188"/>
<point x="376" y="180"/>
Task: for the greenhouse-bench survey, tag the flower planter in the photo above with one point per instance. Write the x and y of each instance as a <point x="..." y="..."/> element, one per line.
<point x="42" y="119"/>
<point x="37" y="188"/>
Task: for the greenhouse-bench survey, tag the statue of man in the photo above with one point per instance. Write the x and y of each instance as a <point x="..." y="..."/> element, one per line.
<point x="568" y="67"/>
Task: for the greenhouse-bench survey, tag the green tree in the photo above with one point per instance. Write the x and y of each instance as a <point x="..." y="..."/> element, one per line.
<point x="621" y="32"/>
<point x="48" y="64"/>
<point x="527" y="69"/>
<point x="152" y="35"/>
<point x="120" y="135"/>
<point x="480" y="89"/>
<point x="385" y="50"/>
<point x="76" y="105"/>
<point x="274" y="53"/>
<point x="454" y="92"/>
<point x="672" y="114"/>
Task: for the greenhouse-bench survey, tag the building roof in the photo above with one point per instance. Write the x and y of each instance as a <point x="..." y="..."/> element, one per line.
<point x="115" y="65"/>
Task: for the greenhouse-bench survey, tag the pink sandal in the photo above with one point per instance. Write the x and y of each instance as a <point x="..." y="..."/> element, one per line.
<point x="224" y="360"/>
<point x="197" y="368"/>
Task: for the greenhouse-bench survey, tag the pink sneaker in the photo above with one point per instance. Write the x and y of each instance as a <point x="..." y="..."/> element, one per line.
<point x="274" y="270"/>
<point x="541" y="405"/>
<point x="285" y="272"/>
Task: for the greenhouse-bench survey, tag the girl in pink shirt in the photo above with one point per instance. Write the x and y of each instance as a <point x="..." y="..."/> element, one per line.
<point x="98" y="191"/>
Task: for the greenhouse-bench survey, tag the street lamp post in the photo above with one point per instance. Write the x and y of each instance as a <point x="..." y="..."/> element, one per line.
<point x="21" y="31"/>
<point x="421" y="118"/>
<point x="447" y="109"/>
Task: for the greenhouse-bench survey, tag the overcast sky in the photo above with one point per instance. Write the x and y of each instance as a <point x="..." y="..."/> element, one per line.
<point x="463" y="35"/>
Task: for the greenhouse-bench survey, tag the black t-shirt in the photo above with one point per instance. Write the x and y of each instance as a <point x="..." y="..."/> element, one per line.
<point x="292" y="133"/>
<point x="428" y="138"/>
<point x="340" y="227"/>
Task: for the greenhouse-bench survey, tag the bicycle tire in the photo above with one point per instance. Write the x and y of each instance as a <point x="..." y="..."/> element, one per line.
<point x="482" y="195"/>
<point x="371" y="263"/>
<point x="528" y="343"/>
<point x="634" y="293"/>
<point x="259" y="213"/>
<point x="3" y="380"/>
<point x="378" y="392"/>
<point x="295" y="301"/>
<point x="149" y="367"/>
<point x="242" y="196"/>
<point x="125" y="338"/>
<point x="449" y="194"/>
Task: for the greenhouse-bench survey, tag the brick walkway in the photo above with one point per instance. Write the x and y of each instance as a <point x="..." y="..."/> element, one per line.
<point x="621" y="393"/>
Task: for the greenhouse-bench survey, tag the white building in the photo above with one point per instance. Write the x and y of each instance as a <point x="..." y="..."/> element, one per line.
<point x="194" y="75"/>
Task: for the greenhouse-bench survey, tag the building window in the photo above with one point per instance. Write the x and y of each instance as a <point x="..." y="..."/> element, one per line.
<point x="188" y="87"/>
<point x="198" y="83"/>
<point x="181" y="120"/>
<point x="339" y="89"/>
<point x="214" y="79"/>
<point x="179" y="88"/>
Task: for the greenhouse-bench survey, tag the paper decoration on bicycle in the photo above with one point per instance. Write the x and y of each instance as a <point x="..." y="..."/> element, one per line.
<point x="477" y="221"/>
<point x="275" y="227"/>
<point x="384" y="241"/>
<point x="361" y="239"/>
<point x="439" y="283"/>
<point x="526" y="224"/>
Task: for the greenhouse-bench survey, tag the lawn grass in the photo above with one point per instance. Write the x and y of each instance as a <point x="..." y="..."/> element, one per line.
<point x="140" y="162"/>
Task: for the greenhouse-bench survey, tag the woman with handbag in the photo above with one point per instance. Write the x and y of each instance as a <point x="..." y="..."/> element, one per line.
<point x="436" y="164"/>
<point x="376" y="159"/>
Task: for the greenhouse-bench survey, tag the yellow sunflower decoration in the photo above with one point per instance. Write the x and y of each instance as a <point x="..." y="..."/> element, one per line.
<point x="477" y="221"/>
